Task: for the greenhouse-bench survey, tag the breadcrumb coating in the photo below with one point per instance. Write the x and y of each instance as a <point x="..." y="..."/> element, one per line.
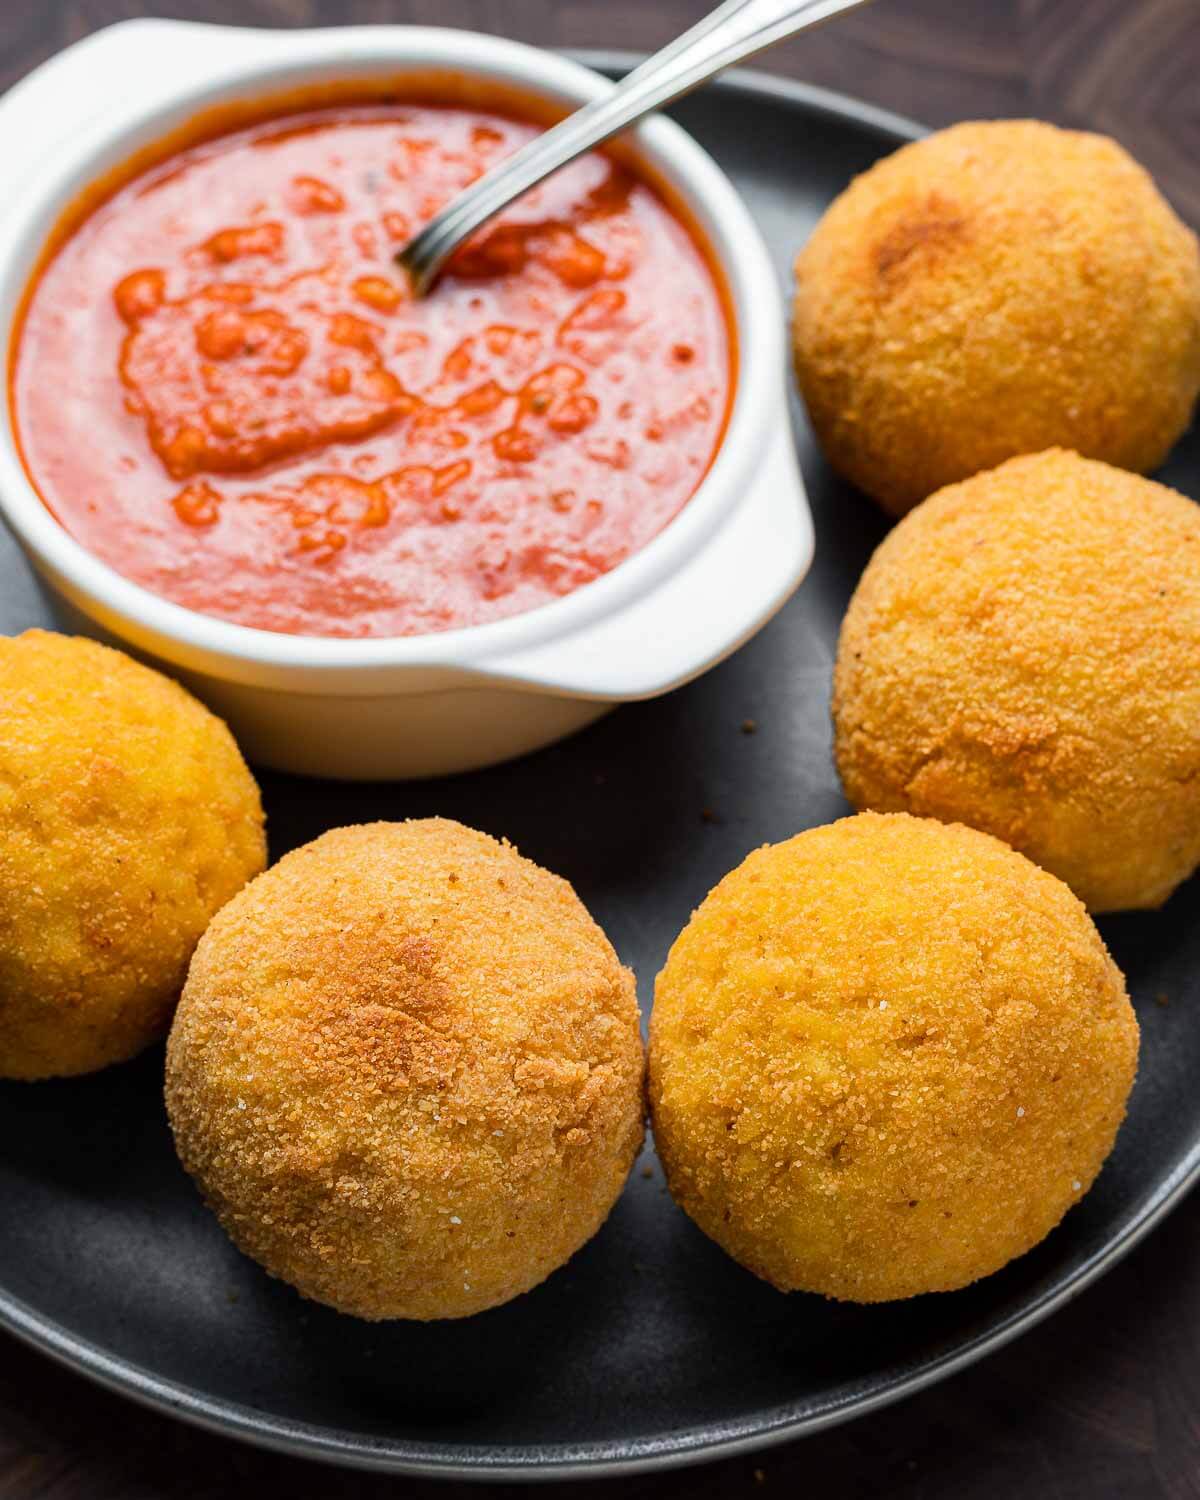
<point x="995" y="289"/>
<point x="406" y="1071"/>
<point x="127" y="818"/>
<point x="886" y="1057"/>
<point x="1023" y="654"/>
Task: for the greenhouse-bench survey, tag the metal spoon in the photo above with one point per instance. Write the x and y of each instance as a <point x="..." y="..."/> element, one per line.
<point x="734" y="30"/>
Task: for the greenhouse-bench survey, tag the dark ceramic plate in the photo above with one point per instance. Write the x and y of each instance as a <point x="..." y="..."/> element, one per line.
<point x="650" y="1347"/>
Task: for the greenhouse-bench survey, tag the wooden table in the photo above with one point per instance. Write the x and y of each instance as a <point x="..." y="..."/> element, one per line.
<point x="1104" y="1401"/>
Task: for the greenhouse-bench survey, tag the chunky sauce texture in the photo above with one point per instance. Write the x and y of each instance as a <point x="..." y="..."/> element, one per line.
<point x="223" y="389"/>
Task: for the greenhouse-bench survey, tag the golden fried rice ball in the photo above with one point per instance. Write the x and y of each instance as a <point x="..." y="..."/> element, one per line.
<point x="991" y="290"/>
<point x="1023" y="654"/>
<point x="886" y="1057"/>
<point x="406" y="1071"/>
<point x="127" y="818"/>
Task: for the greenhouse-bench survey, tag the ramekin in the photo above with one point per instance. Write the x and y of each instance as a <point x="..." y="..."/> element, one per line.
<point x="432" y="704"/>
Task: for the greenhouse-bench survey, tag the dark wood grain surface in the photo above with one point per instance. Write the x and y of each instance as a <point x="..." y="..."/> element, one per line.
<point x="1104" y="1401"/>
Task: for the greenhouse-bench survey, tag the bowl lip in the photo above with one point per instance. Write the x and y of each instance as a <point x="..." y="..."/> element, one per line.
<point x="260" y="63"/>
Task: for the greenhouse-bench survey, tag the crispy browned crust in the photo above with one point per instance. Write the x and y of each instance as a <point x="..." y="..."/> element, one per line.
<point x="1023" y="654"/>
<point x="127" y="818"/>
<point x="406" y="1071"/>
<point x="996" y="289"/>
<point x="886" y="1057"/>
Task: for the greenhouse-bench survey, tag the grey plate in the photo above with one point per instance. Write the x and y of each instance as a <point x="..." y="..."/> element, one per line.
<point x="651" y="1347"/>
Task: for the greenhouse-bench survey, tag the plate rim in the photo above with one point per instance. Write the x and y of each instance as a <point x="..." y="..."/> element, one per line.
<point x="612" y="1457"/>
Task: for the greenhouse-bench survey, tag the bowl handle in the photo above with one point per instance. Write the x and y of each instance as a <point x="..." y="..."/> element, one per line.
<point x="726" y="592"/>
<point x="58" y="99"/>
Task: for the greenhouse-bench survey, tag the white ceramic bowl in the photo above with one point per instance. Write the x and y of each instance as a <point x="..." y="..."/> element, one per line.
<point x="418" y="705"/>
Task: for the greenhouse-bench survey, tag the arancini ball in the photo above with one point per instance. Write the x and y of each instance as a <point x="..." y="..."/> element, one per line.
<point x="995" y="289"/>
<point x="127" y="818"/>
<point x="1023" y="654"/>
<point x="886" y="1057"/>
<point x="406" y="1071"/>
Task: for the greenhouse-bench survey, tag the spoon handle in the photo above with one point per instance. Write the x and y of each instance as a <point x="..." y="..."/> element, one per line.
<point x="732" y="31"/>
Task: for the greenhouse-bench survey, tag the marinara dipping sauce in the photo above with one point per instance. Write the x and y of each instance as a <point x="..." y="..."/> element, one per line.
<point x="223" y="389"/>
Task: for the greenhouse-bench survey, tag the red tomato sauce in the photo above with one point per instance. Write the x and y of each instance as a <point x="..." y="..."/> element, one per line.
<point x="223" y="389"/>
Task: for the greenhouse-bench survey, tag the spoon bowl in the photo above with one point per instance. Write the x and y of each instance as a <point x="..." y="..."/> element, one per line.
<point x="732" y="32"/>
